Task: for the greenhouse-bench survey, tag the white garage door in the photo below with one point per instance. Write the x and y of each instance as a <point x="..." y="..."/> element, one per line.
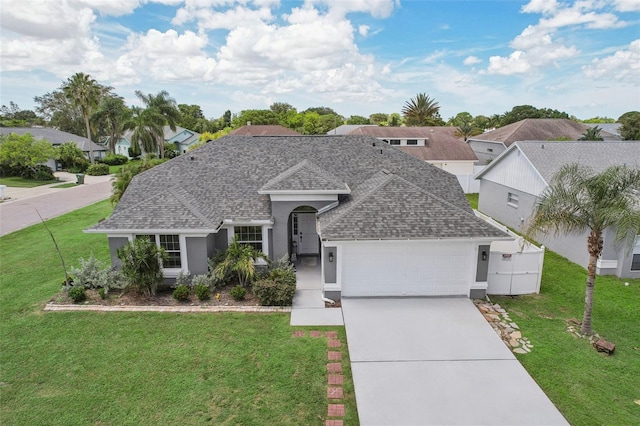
<point x="407" y="269"/>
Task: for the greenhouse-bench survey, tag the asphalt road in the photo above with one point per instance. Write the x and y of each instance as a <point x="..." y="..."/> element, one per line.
<point x="21" y="209"/>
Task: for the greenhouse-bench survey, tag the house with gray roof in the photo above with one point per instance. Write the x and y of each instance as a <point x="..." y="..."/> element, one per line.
<point x="380" y="221"/>
<point x="489" y="145"/>
<point x="511" y="185"/>
<point x="56" y="138"/>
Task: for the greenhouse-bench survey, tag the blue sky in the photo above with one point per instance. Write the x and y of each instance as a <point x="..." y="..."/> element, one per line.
<point x="355" y="56"/>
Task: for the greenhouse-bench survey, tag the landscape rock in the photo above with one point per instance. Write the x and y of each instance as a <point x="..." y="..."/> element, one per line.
<point x="604" y="346"/>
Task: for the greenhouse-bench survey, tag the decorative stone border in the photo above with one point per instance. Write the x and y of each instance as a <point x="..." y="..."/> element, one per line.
<point x="335" y="379"/>
<point x="508" y="330"/>
<point x="134" y="308"/>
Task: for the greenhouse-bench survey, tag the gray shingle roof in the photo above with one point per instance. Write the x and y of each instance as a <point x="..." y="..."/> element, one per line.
<point x="534" y="129"/>
<point x="596" y="155"/>
<point x="221" y="181"/>
<point x="54" y="136"/>
<point x="305" y="176"/>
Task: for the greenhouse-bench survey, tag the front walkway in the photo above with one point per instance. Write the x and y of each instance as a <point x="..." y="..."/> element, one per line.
<point x="308" y="305"/>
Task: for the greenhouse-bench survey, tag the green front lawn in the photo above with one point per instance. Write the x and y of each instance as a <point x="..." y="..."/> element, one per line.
<point x="589" y="388"/>
<point x="18" y="182"/>
<point x="144" y="368"/>
<point x="114" y="169"/>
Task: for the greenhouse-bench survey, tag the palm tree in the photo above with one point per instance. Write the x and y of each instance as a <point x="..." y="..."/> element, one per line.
<point x="421" y="111"/>
<point x="112" y="112"/>
<point x="165" y="106"/>
<point x="146" y="124"/>
<point x="465" y="130"/>
<point x="578" y="201"/>
<point x="84" y="93"/>
<point x="592" y="134"/>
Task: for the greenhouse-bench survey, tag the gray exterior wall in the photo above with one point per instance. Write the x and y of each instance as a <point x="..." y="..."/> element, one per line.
<point x="114" y="244"/>
<point x="221" y="242"/>
<point x="493" y="202"/>
<point x="482" y="151"/>
<point x="330" y="271"/>
<point x="197" y="255"/>
<point x="280" y="211"/>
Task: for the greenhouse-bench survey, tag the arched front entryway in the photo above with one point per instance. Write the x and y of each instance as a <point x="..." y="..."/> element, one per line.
<point x="302" y="232"/>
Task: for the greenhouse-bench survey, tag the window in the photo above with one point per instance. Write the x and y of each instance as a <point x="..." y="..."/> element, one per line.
<point x="170" y="244"/>
<point x="635" y="262"/>
<point x="412" y="141"/>
<point x="512" y="199"/>
<point x="394" y="142"/>
<point x="251" y="235"/>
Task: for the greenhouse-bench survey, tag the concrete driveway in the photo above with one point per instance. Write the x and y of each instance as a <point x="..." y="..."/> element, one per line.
<point x="436" y="361"/>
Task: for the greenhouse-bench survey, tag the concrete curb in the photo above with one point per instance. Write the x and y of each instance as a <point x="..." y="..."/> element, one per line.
<point x="132" y="308"/>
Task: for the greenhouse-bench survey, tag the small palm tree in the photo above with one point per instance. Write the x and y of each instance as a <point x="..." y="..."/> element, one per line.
<point x="466" y="130"/>
<point x="421" y="111"/>
<point x="84" y="93"/>
<point x="239" y="259"/>
<point x="592" y="134"/>
<point x="161" y="105"/>
<point x="146" y="124"/>
<point x="578" y="201"/>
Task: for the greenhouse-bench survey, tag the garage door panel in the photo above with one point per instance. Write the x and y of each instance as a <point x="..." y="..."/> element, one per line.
<point x="410" y="269"/>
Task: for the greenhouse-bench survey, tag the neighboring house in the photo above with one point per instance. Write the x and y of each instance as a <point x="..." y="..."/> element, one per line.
<point x="511" y="186"/>
<point x="489" y="145"/>
<point x="435" y="145"/>
<point x="382" y="222"/>
<point x="609" y="128"/>
<point x="183" y="138"/>
<point x="264" y="130"/>
<point x="57" y="138"/>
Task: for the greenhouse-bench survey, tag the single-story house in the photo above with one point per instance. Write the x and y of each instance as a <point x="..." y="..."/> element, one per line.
<point x="435" y="145"/>
<point x="511" y="185"/>
<point x="382" y="222"/>
<point x="264" y="130"/>
<point x="489" y="145"/>
<point x="56" y="138"/>
<point x="183" y="138"/>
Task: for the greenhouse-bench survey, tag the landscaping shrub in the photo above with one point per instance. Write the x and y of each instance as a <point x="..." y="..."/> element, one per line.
<point x="114" y="159"/>
<point x="98" y="169"/>
<point x="273" y="293"/>
<point x="80" y="166"/>
<point x="43" y="172"/>
<point x="91" y="273"/>
<point x="103" y="293"/>
<point x="77" y="294"/>
<point x="141" y="264"/>
<point x="238" y="292"/>
<point x="181" y="293"/>
<point x="202" y="291"/>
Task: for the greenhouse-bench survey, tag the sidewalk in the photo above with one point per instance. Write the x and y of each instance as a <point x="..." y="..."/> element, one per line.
<point x="19" y="210"/>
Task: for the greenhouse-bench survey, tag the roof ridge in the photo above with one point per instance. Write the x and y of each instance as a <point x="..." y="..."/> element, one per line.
<point x="188" y="205"/>
<point x="306" y="163"/>
<point x="386" y="178"/>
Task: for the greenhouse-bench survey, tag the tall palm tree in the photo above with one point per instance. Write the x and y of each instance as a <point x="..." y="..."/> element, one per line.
<point x="162" y="105"/>
<point x="421" y="111"/>
<point x="84" y="93"/>
<point x="578" y="201"/>
<point x="111" y="113"/>
<point x="146" y="123"/>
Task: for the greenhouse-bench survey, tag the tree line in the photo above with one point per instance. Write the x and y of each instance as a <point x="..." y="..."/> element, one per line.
<point x="84" y="107"/>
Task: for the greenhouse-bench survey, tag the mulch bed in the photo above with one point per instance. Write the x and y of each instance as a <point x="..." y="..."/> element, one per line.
<point x="163" y="297"/>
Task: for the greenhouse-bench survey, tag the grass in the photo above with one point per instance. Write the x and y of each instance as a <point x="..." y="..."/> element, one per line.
<point x="144" y="368"/>
<point x="65" y="185"/>
<point x="18" y="182"/>
<point x="114" y="169"/>
<point x="473" y="200"/>
<point x="589" y="388"/>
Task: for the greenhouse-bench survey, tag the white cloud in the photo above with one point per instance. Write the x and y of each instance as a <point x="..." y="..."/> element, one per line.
<point x="472" y="60"/>
<point x="340" y="8"/>
<point x="110" y="7"/>
<point x="537" y="46"/>
<point x="624" y="65"/>
<point x="627" y="5"/>
<point x="165" y="56"/>
<point x="363" y="30"/>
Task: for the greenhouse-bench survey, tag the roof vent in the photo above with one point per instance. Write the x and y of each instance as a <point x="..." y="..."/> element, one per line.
<point x="542" y="146"/>
<point x="192" y="158"/>
<point x="374" y="144"/>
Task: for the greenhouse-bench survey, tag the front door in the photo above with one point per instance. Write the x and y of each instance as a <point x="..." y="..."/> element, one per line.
<point x="307" y="236"/>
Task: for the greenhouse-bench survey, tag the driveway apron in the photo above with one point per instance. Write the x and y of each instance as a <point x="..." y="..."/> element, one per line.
<point x="436" y="361"/>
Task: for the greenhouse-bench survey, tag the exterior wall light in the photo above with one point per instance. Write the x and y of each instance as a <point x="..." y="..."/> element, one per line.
<point x="330" y="256"/>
